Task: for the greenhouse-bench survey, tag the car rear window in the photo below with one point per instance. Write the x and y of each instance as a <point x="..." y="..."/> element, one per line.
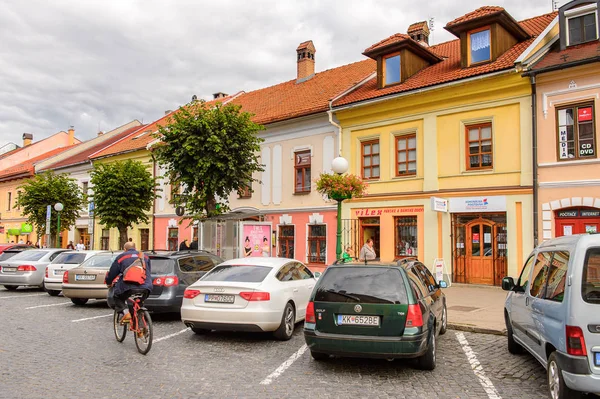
<point x="161" y="265"/>
<point x="241" y="273"/>
<point x="102" y="261"/>
<point x="362" y="284"/>
<point x="8" y="254"/>
<point x="590" y="288"/>
<point x="69" y="258"/>
<point x="29" y="255"/>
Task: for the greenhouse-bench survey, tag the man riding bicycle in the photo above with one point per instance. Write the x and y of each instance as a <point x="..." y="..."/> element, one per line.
<point x="122" y="289"/>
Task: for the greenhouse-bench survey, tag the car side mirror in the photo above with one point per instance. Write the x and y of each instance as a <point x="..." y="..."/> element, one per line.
<point x="317" y="274"/>
<point x="508" y="284"/>
<point x="443" y="284"/>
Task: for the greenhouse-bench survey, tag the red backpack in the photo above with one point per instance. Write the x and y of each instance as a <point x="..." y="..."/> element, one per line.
<point x="136" y="272"/>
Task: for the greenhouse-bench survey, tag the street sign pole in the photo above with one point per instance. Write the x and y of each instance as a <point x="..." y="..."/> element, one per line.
<point x="48" y="216"/>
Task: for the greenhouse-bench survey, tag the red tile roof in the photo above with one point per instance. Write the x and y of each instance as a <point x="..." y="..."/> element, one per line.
<point x="26" y="168"/>
<point x="569" y="55"/>
<point x="84" y="156"/>
<point x="450" y="68"/>
<point x="417" y="26"/>
<point x="397" y="38"/>
<point x="480" y="12"/>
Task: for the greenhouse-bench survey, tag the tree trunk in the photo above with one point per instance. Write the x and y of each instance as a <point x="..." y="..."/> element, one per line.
<point x="122" y="236"/>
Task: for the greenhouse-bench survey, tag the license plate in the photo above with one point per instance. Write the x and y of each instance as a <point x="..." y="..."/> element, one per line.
<point x="219" y="298"/>
<point x="85" y="277"/>
<point x="9" y="269"/>
<point x="358" y="320"/>
<point x="597" y="359"/>
<point x="59" y="272"/>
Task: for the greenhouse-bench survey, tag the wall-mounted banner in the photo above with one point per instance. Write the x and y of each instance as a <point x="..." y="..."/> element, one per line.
<point x="478" y="204"/>
<point x="385" y="211"/>
<point x="439" y="204"/>
<point x="255" y="239"/>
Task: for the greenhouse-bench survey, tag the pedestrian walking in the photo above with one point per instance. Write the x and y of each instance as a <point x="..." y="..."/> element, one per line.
<point x="183" y="246"/>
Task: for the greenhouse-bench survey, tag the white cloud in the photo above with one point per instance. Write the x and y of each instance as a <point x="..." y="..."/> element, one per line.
<point x="98" y="64"/>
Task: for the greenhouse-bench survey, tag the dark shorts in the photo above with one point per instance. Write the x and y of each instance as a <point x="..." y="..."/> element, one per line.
<point x="121" y="299"/>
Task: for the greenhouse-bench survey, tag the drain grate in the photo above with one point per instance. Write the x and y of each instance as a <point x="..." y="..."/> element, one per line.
<point x="463" y="308"/>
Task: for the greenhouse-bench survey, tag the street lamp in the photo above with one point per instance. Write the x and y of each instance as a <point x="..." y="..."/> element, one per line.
<point x="58" y="207"/>
<point x="339" y="166"/>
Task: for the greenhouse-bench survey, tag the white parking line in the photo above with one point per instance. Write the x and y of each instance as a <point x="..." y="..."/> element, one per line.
<point x="20" y="296"/>
<point x="46" y="306"/>
<point x="91" y="318"/>
<point x="485" y="382"/>
<point x="171" y="335"/>
<point x="284" y="366"/>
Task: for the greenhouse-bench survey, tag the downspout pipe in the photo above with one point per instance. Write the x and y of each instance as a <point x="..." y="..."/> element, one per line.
<point x="339" y="128"/>
<point x="534" y="141"/>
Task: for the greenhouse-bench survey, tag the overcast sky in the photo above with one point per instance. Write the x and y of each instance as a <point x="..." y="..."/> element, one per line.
<point x="99" y="64"/>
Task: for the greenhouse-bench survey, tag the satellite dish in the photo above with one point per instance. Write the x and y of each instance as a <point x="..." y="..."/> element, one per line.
<point x="179" y="211"/>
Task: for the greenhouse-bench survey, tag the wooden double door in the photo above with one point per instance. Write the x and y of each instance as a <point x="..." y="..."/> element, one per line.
<point x="485" y="252"/>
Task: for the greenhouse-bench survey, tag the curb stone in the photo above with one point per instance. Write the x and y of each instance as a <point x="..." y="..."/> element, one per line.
<point x="475" y="329"/>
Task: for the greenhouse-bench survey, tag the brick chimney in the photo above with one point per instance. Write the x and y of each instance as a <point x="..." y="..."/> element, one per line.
<point x="100" y="133"/>
<point x="219" y="95"/>
<point x="27" y="139"/>
<point x="71" y="140"/>
<point x="306" y="60"/>
<point x="419" y="32"/>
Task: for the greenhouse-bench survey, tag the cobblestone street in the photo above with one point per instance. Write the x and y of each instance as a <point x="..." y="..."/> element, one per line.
<point x="51" y="348"/>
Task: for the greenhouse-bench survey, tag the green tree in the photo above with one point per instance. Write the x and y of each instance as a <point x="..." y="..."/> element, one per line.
<point x="210" y="151"/>
<point x="47" y="189"/>
<point x="124" y="192"/>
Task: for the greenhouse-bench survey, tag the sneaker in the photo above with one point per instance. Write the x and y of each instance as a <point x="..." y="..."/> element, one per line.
<point x="141" y="333"/>
<point x="126" y="319"/>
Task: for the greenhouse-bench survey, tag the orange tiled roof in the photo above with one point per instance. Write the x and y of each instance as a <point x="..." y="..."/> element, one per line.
<point x="26" y="168"/>
<point x="84" y="156"/>
<point x="480" y="12"/>
<point x="450" y="68"/>
<point x="398" y="37"/>
<point x="571" y="54"/>
<point x="303" y="45"/>
<point x="418" y="26"/>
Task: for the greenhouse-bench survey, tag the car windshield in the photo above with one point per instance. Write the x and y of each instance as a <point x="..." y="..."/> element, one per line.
<point x="238" y="273"/>
<point x="69" y="258"/>
<point x="362" y="284"/>
<point x="590" y="288"/>
<point x="161" y="265"/>
<point x="29" y="255"/>
<point x="102" y="261"/>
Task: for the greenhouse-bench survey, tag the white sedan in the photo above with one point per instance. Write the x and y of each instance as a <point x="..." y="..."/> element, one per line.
<point x="63" y="262"/>
<point x="249" y="294"/>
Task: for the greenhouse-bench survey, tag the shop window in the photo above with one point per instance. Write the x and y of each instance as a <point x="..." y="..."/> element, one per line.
<point x="370" y="159"/>
<point x="479" y="146"/>
<point x="9" y="201"/>
<point x="317" y="243"/>
<point x="557" y="276"/>
<point x="582" y="28"/>
<point x="576" y="135"/>
<point x="480" y="46"/>
<point x="286" y="241"/>
<point x="406" y="236"/>
<point x="302" y="172"/>
<point x="173" y="239"/>
<point x="540" y="273"/>
<point x="392" y="69"/>
<point x="406" y="155"/>
<point x="105" y="239"/>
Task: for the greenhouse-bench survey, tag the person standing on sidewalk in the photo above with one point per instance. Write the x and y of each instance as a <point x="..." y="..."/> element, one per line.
<point x="367" y="252"/>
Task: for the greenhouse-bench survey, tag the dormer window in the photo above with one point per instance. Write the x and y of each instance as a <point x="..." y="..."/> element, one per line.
<point x="480" y="46"/>
<point x="582" y="24"/>
<point x="392" y="69"/>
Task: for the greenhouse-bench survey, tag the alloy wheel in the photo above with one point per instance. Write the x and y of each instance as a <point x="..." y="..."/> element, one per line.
<point x="444" y="319"/>
<point x="553" y="380"/>
<point x="289" y="321"/>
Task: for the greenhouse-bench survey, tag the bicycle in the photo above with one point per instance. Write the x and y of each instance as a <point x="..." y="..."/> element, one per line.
<point x="141" y="325"/>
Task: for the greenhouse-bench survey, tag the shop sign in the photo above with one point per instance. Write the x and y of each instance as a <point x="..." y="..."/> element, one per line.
<point x="584" y="114"/>
<point x="590" y="213"/>
<point x="255" y="240"/>
<point x="385" y="211"/>
<point x="475" y="238"/>
<point x="478" y="204"/>
<point x="573" y="213"/>
<point x="439" y="204"/>
<point x="568" y="214"/>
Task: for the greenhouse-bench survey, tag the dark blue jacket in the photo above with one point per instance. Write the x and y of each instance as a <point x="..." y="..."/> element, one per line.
<point x="117" y="269"/>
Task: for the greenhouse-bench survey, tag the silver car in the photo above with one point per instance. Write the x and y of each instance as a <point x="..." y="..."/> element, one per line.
<point x="27" y="268"/>
<point x="553" y="312"/>
<point x="63" y="262"/>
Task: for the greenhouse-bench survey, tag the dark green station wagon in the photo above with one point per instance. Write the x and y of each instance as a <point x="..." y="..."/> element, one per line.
<point x="376" y="311"/>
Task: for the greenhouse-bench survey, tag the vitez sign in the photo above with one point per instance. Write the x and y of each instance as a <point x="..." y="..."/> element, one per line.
<point x="478" y="204"/>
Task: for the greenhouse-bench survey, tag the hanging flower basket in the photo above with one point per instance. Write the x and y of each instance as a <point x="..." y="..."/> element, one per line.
<point x="341" y="187"/>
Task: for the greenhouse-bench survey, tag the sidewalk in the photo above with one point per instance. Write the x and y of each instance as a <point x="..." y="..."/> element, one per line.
<point x="476" y="308"/>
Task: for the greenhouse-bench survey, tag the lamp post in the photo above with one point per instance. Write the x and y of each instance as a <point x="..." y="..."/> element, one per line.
<point x="58" y="207"/>
<point x="339" y="166"/>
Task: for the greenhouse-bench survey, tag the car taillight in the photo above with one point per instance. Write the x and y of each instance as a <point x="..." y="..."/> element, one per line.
<point x="310" y="313"/>
<point x="575" y="341"/>
<point x="46" y="272"/>
<point x="26" y="268"/>
<point x="166" y="281"/>
<point x="414" y="317"/>
<point x="256" y="296"/>
<point x="66" y="277"/>
<point x="191" y="294"/>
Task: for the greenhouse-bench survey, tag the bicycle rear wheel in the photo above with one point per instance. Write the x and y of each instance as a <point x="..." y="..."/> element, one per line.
<point x="143" y="333"/>
<point x="120" y="330"/>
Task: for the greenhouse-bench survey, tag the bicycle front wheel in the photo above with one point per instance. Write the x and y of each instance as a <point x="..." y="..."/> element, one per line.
<point x="120" y="330"/>
<point x="143" y="333"/>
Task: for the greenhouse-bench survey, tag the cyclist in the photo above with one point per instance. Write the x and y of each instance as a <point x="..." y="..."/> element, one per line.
<point x="124" y="290"/>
